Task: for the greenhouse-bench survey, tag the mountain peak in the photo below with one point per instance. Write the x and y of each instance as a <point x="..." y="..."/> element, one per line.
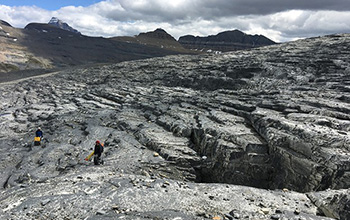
<point x="54" y="20"/>
<point x="159" y="33"/>
<point x="60" y="24"/>
<point x="2" y="22"/>
<point x="160" y="30"/>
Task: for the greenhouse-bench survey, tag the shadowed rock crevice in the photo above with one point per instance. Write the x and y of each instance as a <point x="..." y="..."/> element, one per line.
<point x="238" y="155"/>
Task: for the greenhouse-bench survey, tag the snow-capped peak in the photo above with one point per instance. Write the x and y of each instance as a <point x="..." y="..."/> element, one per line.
<point x="54" y="20"/>
<point x="60" y="24"/>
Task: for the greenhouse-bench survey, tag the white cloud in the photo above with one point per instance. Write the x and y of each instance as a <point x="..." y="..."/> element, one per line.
<point x="278" y="20"/>
<point x="19" y="16"/>
<point x="301" y="24"/>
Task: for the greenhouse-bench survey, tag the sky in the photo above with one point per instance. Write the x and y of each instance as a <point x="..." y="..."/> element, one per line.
<point x="279" y="20"/>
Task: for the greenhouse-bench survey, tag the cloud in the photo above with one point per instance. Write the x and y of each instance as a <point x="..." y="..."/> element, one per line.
<point x="301" y="24"/>
<point x="265" y="7"/>
<point x="276" y="19"/>
<point x="208" y="9"/>
<point x="19" y="16"/>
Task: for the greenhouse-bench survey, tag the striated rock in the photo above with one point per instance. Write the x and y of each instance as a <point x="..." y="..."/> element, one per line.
<point x="332" y="203"/>
<point x="258" y="134"/>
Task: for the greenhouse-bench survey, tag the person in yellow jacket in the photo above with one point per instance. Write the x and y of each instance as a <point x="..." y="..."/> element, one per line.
<point x="38" y="137"/>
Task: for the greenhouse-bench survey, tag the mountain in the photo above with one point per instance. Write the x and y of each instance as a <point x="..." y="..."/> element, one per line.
<point x="4" y="23"/>
<point x="44" y="47"/>
<point x="60" y="24"/>
<point x="47" y="47"/>
<point x="225" y="41"/>
<point x="157" y="38"/>
<point x="255" y="134"/>
<point x="157" y="34"/>
<point x="14" y="54"/>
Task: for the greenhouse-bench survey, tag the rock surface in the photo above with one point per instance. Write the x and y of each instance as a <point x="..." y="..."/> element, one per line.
<point x="258" y="134"/>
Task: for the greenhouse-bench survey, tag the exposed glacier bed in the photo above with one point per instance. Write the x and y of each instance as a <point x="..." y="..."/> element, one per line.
<point x="258" y="134"/>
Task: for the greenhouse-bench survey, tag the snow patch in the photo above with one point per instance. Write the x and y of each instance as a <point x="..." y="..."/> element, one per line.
<point x="54" y="20"/>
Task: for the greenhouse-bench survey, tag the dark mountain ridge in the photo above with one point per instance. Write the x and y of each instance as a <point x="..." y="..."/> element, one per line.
<point x="225" y="41"/>
<point x="2" y="22"/>
<point x="57" y="45"/>
<point x="158" y="38"/>
<point x="159" y="33"/>
<point x="67" y="48"/>
<point x="47" y="46"/>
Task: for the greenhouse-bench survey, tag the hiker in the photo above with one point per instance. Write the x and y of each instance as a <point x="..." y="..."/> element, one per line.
<point x="38" y="137"/>
<point x="39" y="133"/>
<point x="97" y="153"/>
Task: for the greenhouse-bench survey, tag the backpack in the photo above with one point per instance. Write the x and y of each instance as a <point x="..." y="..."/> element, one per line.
<point x="99" y="149"/>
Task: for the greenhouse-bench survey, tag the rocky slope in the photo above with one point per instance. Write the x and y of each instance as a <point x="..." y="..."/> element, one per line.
<point x="15" y="56"/>
<point x="45" y="46"/>
<point x="225" y="41"/>
<point x="258" y="134"/>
